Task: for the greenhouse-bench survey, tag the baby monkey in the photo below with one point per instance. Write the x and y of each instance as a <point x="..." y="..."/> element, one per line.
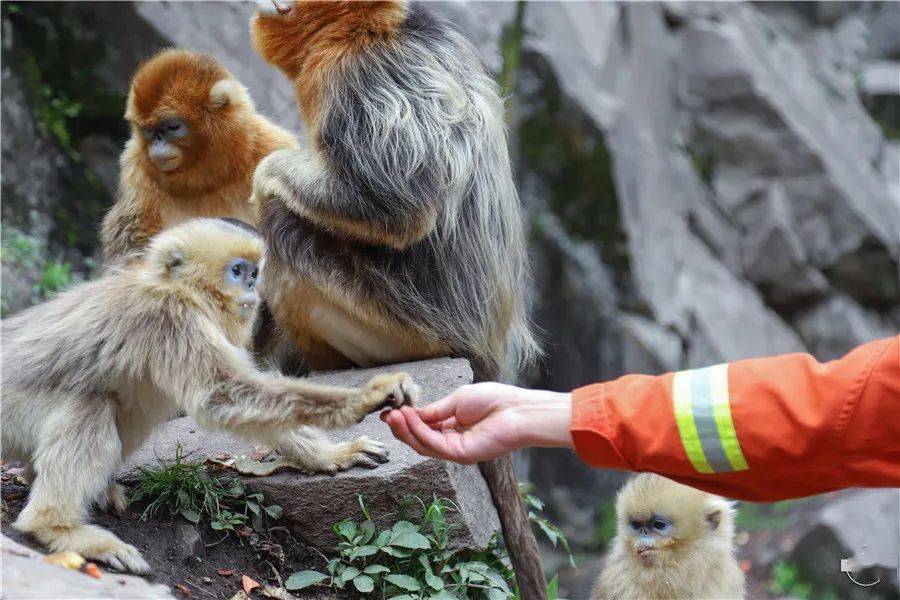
<point x="87" y="375"/>
<point x="672" y="541"/>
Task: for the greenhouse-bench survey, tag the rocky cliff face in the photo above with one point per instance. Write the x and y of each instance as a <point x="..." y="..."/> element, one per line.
<point x="704" y="181"/>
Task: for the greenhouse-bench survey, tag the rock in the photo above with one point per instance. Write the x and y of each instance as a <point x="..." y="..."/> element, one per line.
<point x="835" y="326"/>
<point x="648" y="348"/>
<point x="313" y="504"/>
<point x="853" y="526"/>
<point x="27" y="576"/>
<point x="773" y="254"/>
<point x="187" y="543"/>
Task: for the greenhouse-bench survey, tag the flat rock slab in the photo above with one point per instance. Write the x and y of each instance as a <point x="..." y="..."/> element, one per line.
<point x="27" y="576"/>
<point x="312" y="504"/>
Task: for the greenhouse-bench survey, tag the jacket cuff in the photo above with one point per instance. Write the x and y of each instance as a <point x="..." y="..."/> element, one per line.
<point x="592" y="430"/>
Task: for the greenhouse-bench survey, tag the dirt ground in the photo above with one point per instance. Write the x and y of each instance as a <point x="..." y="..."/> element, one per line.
<point x="188" y="574"/>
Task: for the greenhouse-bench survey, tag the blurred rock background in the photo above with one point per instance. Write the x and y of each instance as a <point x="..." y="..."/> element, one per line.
<point x="704" y="182"/>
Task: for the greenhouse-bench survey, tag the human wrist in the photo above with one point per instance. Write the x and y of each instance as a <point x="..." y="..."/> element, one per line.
<point x="545" y="419"/>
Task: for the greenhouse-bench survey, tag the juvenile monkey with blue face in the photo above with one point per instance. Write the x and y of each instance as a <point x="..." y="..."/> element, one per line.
<point x="672" y="541"/>
<point x="196" y="139"/>
<point x="87" y="376"/>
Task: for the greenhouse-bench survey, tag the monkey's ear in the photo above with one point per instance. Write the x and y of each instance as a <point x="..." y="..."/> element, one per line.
<point x="228" y="92"/>
<point x="713" y="518"/>
<point x="174" y="261"/>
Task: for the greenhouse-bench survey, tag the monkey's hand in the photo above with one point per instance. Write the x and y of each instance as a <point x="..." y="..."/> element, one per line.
<point x="388" y="391"/>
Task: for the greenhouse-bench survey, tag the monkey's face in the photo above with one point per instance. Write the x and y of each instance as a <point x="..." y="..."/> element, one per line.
<point x="649" y="536"/>
<point x="164" y="142"/>
<point x="240" y="283"/>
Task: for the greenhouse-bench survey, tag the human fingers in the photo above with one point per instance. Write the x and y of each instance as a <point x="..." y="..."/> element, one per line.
<point x="397" y="422"/>
<point x="439" y="443"/>
<point x="440" y="410"/>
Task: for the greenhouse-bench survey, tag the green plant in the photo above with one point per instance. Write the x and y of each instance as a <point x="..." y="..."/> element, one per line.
<point x="786" y="580"/>
<point x="606" y="524"/>
<point x="409" y="561"/>
<point x="18" y="248"/>
<point x="542" y="523"/>
<point x="186" y="489"/>
<point x="56" y="276"/>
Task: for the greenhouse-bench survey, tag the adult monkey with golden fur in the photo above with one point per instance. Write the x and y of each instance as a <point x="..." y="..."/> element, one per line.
<point x="196" y="139"/>
<point x="397" y="234"/>
<point x="87" y="375"/>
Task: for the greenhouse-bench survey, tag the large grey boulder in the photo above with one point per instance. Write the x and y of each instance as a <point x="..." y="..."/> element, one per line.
<point x="312" y="504"/>
<point x="26" y="576"/>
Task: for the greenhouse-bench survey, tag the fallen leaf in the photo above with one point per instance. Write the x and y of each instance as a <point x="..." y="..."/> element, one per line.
<point x="183" y="590"/>
<point x="745" y="565"/>
<point x="243" y="531"/>
<point x="248" y="584"/>
<point x="206" y="580"/>
<point x="222" y="456"/>
<point x="92" y="570"/>
<point x="241" y="595"/>
<point x="69" y="560"/>
<point x="225" y="572"/>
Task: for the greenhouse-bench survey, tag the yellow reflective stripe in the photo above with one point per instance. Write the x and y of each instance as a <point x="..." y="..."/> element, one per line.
<point x="721" y="405"/>
<point x="684" y="418"/>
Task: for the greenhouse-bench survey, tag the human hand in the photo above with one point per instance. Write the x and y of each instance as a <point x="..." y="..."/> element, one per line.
<point x="483" y="421"/>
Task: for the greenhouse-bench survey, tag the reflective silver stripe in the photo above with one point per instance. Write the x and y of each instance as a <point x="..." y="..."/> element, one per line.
<point x="704" y="419"/>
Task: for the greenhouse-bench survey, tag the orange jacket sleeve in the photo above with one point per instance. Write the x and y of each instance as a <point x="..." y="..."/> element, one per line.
<point x="760" y="429"/>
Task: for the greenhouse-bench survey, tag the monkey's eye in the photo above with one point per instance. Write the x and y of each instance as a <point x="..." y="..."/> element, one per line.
<point x="635" y="525"/>
<point x="236" y="270"/>
<point x="174" y="127"/>
<point x="254" y="274"/>
<point x="660" y="525"/>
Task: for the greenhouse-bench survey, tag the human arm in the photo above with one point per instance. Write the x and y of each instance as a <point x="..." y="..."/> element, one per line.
<point x="791" y="426"/>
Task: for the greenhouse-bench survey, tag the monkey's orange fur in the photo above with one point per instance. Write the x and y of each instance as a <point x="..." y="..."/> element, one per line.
<point x="316" y="35"/>
<point x="227" y="139"/>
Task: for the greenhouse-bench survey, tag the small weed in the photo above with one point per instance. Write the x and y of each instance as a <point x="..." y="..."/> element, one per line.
<point x="409" y="561"/>
<point x="536" y="505"/>
<point x="606" y="524"/>
<point x="186" y="489"/>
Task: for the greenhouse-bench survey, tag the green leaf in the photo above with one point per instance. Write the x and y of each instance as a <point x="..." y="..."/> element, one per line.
<point x="346" y="529"/>
<point x="253" y="506"/>
<point x="274" y="511"/>
<point x="364" y="583"/>
<point x="396" y="552"/>
<point x="366" y="532"/>
<point x="410" y="539"/>
<point x="403" y="597"/>
<point x="190" y="515"/>
<point x="553" y="588"/>
<point x="435" y="583"/>
<point x="362" y="551"/>
<point x="403" y="526"/>
<point x="348" y="574"/>
<point x="383" y="538"/>
<point x="217" y="525"/>
<point x="373" y="569"/>
<point x="303" y="579"/>
<point x="404" y="582"/>
<point x="426" y="564"/>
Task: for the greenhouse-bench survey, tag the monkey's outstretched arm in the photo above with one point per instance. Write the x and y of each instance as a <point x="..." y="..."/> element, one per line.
<point x="302" y="182"/>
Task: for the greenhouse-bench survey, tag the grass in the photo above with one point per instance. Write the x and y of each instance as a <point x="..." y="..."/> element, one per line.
<point x="186" y="489"/>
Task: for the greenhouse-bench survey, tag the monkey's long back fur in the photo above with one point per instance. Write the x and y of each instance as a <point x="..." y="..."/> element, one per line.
<point x="408" y="201"/>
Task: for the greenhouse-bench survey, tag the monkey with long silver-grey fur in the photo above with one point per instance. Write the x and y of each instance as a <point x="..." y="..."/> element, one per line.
<point x="88" y="374"/>
<point x="397" y="234"/>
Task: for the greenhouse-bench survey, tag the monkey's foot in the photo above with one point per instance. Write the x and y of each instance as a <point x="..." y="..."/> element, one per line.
<point x="95" y="543"/>
<point x="114" y="500"/>
<point x="331" y="457"/>
<point x="390" y="391"/>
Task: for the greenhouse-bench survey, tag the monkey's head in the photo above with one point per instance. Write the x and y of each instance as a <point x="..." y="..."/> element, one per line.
<point x="185" y="111"/>
<point x="284" y="31"/>
<point x="661" y="522"/>
<point x="215" y="263"/>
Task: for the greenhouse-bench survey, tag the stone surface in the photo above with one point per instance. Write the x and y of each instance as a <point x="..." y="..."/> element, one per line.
<point x="313" y="504"/>
<point x="26" y="576"/>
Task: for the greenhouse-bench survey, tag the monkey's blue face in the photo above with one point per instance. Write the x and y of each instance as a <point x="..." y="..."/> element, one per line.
<point x="241" y="276"/>
<point x="163" y="143"/>
<point x="650" y="535"/>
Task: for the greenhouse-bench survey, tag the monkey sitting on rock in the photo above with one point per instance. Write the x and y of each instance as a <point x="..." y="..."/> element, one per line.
<point x="195" y="140"/>
<point x="397" y="234"/>
<point x="87" y="375"/>
<point x="672" y="542"/>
